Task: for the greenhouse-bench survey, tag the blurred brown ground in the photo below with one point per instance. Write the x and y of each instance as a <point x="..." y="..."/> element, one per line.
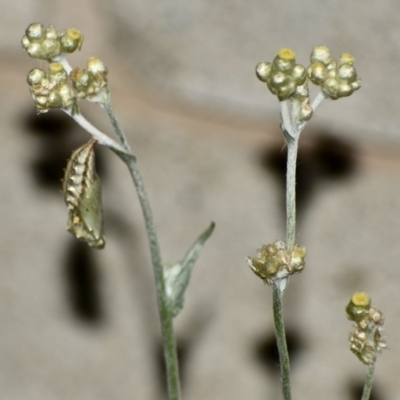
<point x="82" y="324"/>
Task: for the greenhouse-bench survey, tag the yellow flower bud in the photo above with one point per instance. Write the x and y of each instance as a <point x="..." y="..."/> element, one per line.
<point x="344" y="89"/>
<point x="57" y="73"/>
<point x="346" y="72"/>
<point x="35" y="32"/>
<point x="263" y="71"/>
<point x="330" y="87"/>
<point x="358" y="306"/>
<point x="54" y="100"/>
<point x="96" y="66"/>
<point x="317" y="73"/>
<point x="284" y="61"/>
<point x="321" y="54"/>
<point x="35" y="76"/>
<point x="346" y="58"/>
<point x="299" y="74"/>
<point x="71" y="40"/>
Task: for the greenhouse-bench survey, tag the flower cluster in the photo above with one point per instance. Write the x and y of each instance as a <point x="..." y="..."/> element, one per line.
<point x="50" y="89"/>
<point x="283" y="75"/>
<point x="47" y="43"/>
<point x="366" y="339"/>
<point x="91" y="81"/>
<point x="274" y="261"/>
<point x="289" y="81"/>
<point x="337" y="78"/>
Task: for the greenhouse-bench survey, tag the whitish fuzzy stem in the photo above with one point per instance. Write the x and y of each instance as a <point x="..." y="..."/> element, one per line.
<point x="166" y="316"/>
<point x="291" y="193"/>
<point x="281" y="340"/>
<point x="101" y="137"/>
<point x="368" y="382"/>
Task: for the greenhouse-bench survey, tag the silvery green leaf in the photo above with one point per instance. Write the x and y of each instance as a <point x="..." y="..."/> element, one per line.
<point x="177" y="275"/>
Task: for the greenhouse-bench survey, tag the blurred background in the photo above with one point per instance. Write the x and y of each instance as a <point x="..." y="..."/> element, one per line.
<point x="77" y="323"/>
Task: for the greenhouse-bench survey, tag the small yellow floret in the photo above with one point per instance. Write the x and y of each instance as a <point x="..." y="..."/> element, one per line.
<point x="286" y="54"/>
<point x="360" y="299"/>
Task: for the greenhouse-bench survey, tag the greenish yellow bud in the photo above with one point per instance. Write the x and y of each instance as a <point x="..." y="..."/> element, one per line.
<point x="285" y="91"/>
<point x="330" y="87"/>
<point x="317" y="73"/>
<point x="346" y="58"/>
<point x="57" y="73"/>
<point x="281" y="85"/>
<point x="67" y="96"/>
<point x="96" y="66"/>
<point x="284" y="61"/>
<point x="299" y="74"/>
<point x="50" y="48"/>
<point x="35" y="76"/>
<point x="51" y="33"/>
<point x="358" y="306"/>
<point x="34" y="50"/>
<point x="263" y="71"/>
<point x="71" y="40"/>
<point x="35" y="32"/>
<point x="346" y="72"/>
<point x="321" y="54"/>
<point x="54" y="100"/>
<point x="344" y="89"/>
<point x="356" y="84"/>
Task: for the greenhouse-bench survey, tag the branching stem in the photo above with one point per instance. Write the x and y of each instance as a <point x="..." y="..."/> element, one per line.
<point x="166" y="317"/>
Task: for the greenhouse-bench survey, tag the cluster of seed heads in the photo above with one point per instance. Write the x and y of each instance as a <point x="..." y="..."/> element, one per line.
<point x="366" y="339"/>
<point x="283" y="75"/>
<point x="274" y="261"/>
<point x="337" y="78"/>
<point x="91" y="81"/>
<point x="51" y="89"/>
<point x="48" y="43"/>
<point x="289" y="81"/>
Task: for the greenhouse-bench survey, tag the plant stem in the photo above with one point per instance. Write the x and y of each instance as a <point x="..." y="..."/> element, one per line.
<point x="291" y="192"/>
<point x="116" y="125"/>
<point x="368" y="382"/>
<point x="166" y="317"/>
<point x="291" y="133"/>
<point x="281" y="340"/>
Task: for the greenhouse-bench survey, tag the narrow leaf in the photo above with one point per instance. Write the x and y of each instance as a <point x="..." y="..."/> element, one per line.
<point x="177" y="275"/>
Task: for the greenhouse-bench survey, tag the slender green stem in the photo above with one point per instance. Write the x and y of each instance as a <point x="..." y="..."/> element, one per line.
<point x="116" y="125"/>
<point x="368" y="382"/>
<point x="291" y="193"/>
<point x="281" y="340"/>
<point x="166" y="317"/>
